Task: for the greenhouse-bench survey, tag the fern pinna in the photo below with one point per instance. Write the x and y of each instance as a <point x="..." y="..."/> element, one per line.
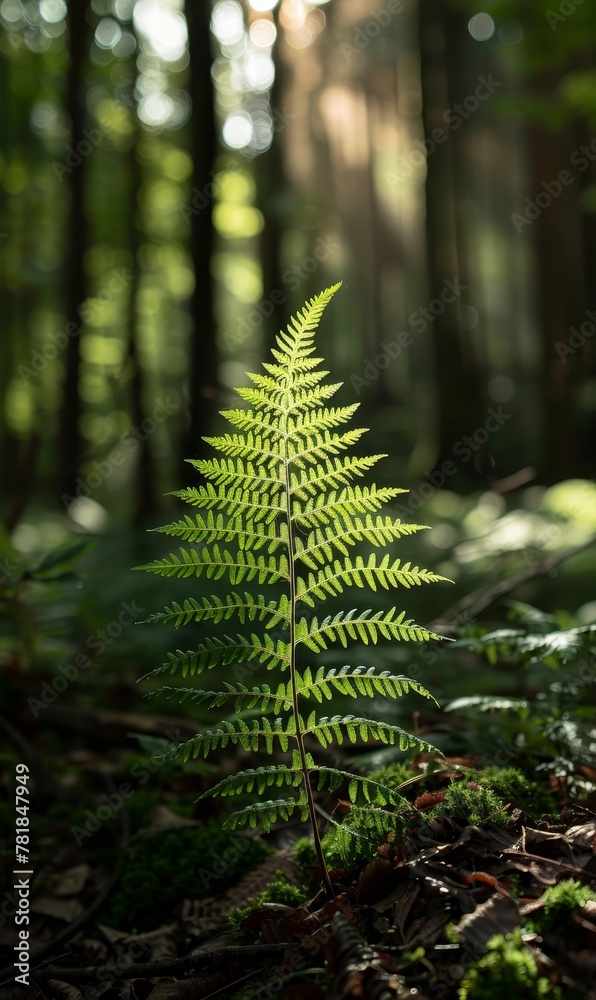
<point x="279" y="506"/>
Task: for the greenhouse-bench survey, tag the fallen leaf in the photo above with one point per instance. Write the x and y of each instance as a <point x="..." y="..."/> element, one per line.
<point x="69" y="882"/>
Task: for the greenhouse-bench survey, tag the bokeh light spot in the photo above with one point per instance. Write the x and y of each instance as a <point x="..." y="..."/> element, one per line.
<point x="481" y="27"/>
<point x="237" y="130"/>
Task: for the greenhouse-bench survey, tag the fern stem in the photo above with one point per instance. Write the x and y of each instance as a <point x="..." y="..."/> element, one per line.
<point x="293" y="680"/>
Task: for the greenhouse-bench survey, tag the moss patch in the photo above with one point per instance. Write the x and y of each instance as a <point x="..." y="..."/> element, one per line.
<point x="162" y="870"/>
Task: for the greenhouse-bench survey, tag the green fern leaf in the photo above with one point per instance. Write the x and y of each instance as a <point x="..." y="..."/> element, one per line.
<point x="213" y="528"/>
<point x="317" y="550"/>
<point x="261" y="778"/>
<point x="215" y="563"/>
<point x="279" y="506"/>
<point x="254" y="737"/>
<point x="245" y="608"/>
<point x="265" y="814"/>
<point x="260" y="696"/>
<point x="333" y="730"/>
<point x="214" y="652"/>
<point x="331" y="580"/>
<point x="364" y="627"/>
<point x="356" y="682"/>
<point x="359" y="787"/>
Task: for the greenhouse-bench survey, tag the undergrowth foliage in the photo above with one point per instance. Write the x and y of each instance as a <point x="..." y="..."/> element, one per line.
<point x="280" y="506"/>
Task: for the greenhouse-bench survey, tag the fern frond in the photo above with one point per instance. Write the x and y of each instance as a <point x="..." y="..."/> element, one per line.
<point x="282" y="371"/>
<point x="356" y="682"/>
<point x="306" y="380"/>
<point x="252" y="737"/>
<point x="261" y="777"/>
<point x="333" y="473"/>
<point x="564" y="644"/>
<point x="358" y="787"/>
<point x="331" y="580"/>
<point x="329" y="730"/>
<point x="215" y="563"/>
<point x="313" y="423"/>
<point x="280" y="506"/>
<point x="244" y="698"/>
<point x="226" y="471"/>
<point x="260" y="504"/>
<point x="295" y="344"/>
<point x="256" y="423"/>
<point x="373" y="819"/>
<point x="365" y="627"/>
<point x="265" y="814"/>
<point x="317" y="550"/>
<point x="212" y="528"/>
<point x="252" y="447"/>
<point x="215" y="652"/>
<point x="314" y="511"/>
<point x="313" y="449"/>
<point x="302" y="400"/>
<point x="246" y="608"/>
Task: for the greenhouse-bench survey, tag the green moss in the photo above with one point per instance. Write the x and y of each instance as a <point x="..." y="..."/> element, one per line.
<point x="507" y="969"/>
<point x="559" y="901"/>
<point x="305" y="853"/>
<point x="186" y="863"/>
<point x="344" y="849"/>
<point x="278" y="891"/>
<point x="512" y="785"/>
<point x="474" y="805"/>
<point x="362" y="832"/>
<point x="393" y="775"/>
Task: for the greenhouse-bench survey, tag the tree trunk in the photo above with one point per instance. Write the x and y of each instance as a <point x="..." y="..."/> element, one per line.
<point x="145" y="484"/>
<point x="203" y="349"/>
<point x="69" y="437"/>
<point x="456" y="412"/>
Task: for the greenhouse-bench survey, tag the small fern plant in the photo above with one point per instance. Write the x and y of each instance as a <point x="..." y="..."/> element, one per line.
<point x="280" y="507"/>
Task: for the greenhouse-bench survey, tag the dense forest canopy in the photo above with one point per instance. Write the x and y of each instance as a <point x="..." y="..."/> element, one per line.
<point x="178" y="179"/>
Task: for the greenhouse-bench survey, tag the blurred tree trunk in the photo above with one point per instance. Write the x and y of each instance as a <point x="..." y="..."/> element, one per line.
<point x="202" y="370"/>
<point x="461" y="82"/>
<point x="587" y="366"/>
<point x="456" y="412"/>
<point x="69" y="437"/>
<point x="549" y="155"/>
<point x="8" y="441"/>
<point x="270" y="180"/>
<point x="145" y="484"/>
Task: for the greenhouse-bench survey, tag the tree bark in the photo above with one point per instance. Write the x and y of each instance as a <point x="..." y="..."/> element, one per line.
<point x="456" y="412"/>
<point x="69" y="436"/>
<point x="203" y="348"/>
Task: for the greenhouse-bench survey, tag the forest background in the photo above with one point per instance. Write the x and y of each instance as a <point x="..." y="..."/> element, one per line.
<point x="177" y="180"/>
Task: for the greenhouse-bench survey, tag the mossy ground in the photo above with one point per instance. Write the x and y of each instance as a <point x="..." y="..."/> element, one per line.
<point x="163" y="869"/>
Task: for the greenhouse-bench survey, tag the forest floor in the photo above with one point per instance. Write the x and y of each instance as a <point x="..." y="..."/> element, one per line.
<point x="450" y="908"/>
